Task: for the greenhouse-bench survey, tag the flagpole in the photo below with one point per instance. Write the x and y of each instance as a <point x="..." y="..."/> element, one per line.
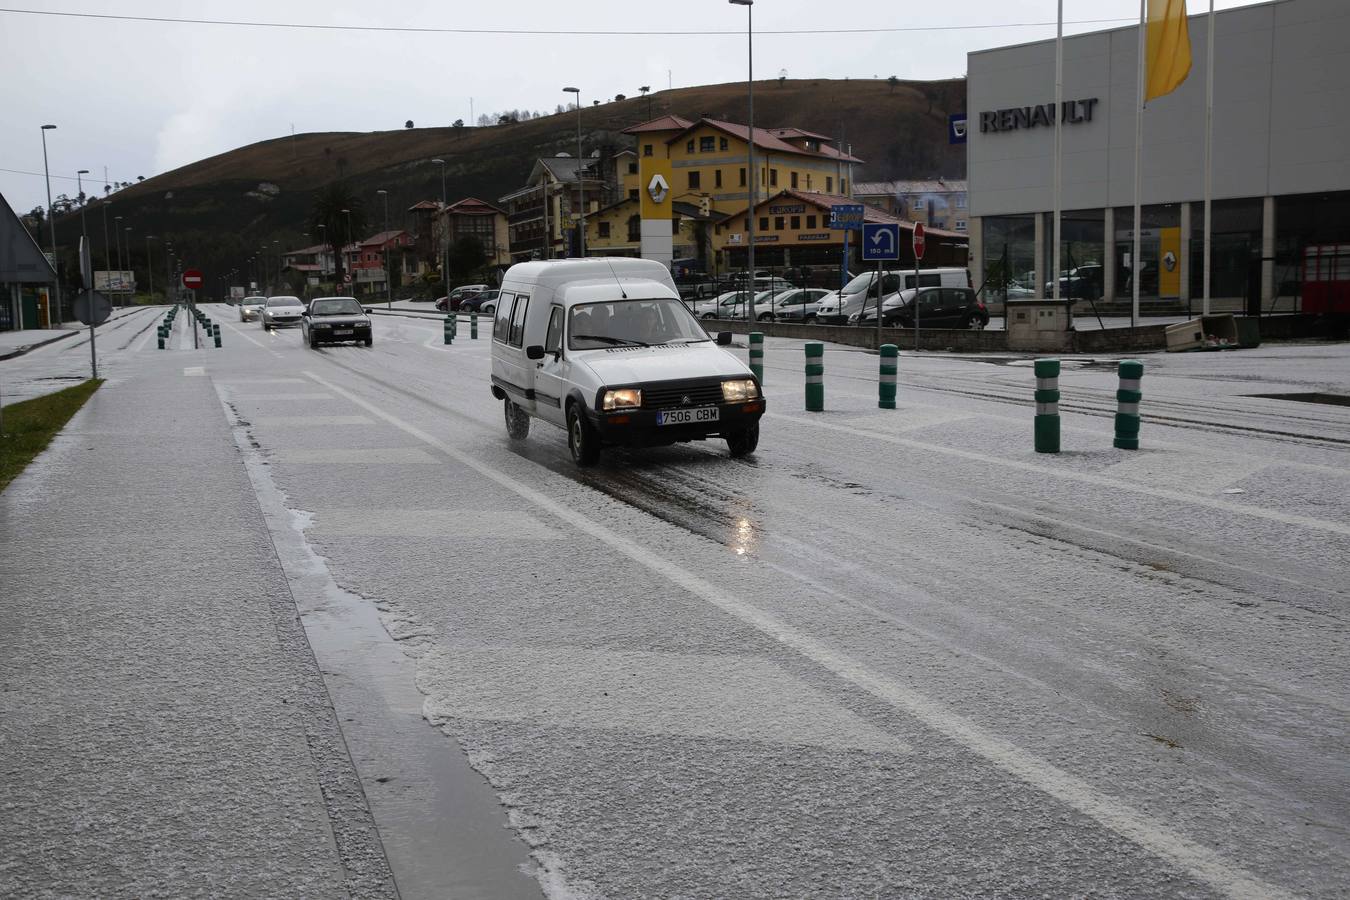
<point x="1059" y="144"/>
<point x="1136" y="268"/>
<point x="1209" y="155"/>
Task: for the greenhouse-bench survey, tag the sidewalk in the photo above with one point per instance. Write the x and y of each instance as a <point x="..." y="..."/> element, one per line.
<point x="165" y="728"/>
<point x="17" y="343"/>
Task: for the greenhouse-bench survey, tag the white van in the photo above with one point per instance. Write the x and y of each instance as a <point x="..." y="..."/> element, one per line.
<point x="605" y="349"/>
<point x="848" y="303"/>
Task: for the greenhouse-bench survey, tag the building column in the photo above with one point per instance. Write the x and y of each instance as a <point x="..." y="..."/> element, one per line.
<point x="1184" y="264"/>
<point x="1039" y="270"/>
<point x="1109" y="254"/>
<point x="1268" y="286"/>
<point x="975" y="258"/>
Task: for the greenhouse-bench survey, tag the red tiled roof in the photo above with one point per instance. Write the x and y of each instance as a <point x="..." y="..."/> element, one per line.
<point x="798" y="132"/>
<point x="379" y="240"/>
<point x="472" y="206"/>
<point x="424" y="204"/>
<point x="766" y="140"/>
<point x="664" y="123"/>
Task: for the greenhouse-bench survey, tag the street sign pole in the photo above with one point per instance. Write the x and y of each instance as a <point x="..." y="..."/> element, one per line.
<point x="918" y="255"/>
<point x="878" y="304"/>
<point x="87" y="275"/>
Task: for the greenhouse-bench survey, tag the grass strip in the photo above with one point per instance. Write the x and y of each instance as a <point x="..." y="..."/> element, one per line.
<point x="29" y="426"/>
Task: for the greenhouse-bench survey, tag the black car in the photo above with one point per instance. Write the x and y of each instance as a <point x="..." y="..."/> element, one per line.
<point x="476" y="303"/>
<point x="335" y="320"/>
<point x="938" y="308"/>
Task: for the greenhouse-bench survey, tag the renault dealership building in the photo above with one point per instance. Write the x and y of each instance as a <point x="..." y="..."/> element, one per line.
<point x="1281" y="160"/>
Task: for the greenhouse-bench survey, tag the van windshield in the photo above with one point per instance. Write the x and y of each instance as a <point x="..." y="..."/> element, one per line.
<point x="632" y="323"/>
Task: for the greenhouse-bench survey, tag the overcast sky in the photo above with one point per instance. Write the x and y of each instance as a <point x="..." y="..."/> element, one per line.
<point x="142" y="97"/>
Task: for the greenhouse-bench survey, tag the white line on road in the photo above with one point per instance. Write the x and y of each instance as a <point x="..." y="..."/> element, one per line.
<point x="230" y="325"/>
<point x="1199" y="861"/>
<point x="1083" y="477"/>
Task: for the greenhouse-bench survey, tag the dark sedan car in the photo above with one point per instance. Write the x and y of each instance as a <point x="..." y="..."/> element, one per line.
<point x="483" y="303"/>
<point x="335" y="320"/>
<point x="938" y="308"/>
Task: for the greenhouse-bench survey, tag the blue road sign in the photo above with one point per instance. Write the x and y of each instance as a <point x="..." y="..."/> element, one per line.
<point x="880" y="242"/>
<point x="956" y="128"/>
<point x="846" y="215"/>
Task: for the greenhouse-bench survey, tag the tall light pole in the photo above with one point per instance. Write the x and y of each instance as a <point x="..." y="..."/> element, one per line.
<point x="323" y="243"/>
<point x="581" y="185"/>
<point x="117" y="242"/>
<point x="107" y="245"/>
<point x="384" y="248"/>
<point x="149" y="265"/>
<point x="51" y="221"/>
<point x="750" y="148"/>
<point x="84" y="227"/>
<point x="127" y="239"/>
<point x="347" y="213"/>
<point x="277" y="244"/>
<point x="445" y="246"/>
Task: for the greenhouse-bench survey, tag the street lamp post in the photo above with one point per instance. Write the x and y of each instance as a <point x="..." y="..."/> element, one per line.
<point x="388" y="277"/>
<point x="750" y="150"/>
<point x="51" y="221"/>
<point x="277" y="244"/>
<point x="149" y="265"/>
<point x="127" y="240"/>
<point x="347" y="213"/>
<point x="117" y="242"/>
<point x="107" y="245"/>
<point x="445" y="234"/>
<point x="581" y="185"/>
<point x="84" y="225"/>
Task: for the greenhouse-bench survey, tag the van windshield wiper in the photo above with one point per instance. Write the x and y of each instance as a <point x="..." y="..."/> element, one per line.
<point x="617" y="341"/>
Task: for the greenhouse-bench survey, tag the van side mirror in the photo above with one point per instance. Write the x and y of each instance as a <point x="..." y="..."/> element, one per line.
<point x="724" y="338"/>
<point x="534" y="351"/>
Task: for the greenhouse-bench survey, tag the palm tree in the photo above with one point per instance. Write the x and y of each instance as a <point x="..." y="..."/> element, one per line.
<point x="338" y="214"/>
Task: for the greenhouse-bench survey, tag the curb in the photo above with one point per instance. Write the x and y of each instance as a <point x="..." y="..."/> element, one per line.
<point x="27" y="348"/>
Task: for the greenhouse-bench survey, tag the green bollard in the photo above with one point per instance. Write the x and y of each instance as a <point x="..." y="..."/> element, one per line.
<point x="448" y="329"/>
<point x="757" y="355"/>
<point x="473" y="326"/>
<point x="215" y="330"/>
<point x="454" y="325"/>
<point x="815" y="376"/>
<point x="162" y="335"/>
<point x="1128" y="396"/>
<point x="1047" y="406"/>
<point x="890" y="365"/>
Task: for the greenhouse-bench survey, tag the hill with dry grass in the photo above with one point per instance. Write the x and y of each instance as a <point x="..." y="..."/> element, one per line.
<point x="221" y="210"/>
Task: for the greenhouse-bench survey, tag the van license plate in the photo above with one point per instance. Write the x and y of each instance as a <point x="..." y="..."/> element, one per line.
<point x="687" y="416"/>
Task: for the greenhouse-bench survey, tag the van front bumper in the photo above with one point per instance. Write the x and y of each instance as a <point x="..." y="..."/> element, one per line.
<point x="638" y="427"/>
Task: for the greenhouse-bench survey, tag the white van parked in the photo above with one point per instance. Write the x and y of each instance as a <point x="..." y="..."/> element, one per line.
<point x="605" y="349"/>
<point x="837" y="310"/>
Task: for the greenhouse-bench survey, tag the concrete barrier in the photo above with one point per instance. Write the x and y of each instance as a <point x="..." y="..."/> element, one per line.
<point x="963" y="339"/>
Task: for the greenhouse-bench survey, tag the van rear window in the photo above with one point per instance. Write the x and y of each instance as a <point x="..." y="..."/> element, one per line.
<point x="501" y="327"/>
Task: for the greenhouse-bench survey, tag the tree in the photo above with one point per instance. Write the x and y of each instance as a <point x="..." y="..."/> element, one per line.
<point x="327" y="211"/>
<point x="893" y="82"/>
<point x="408" y="124"/>
<point x="619" y="98"/>
<point x="140" y="178"/>
<point x="466" y="257"/>
<point x="459" y="123"/>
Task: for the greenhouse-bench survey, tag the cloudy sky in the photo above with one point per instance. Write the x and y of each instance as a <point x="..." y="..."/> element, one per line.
<point x="143" y="97"/>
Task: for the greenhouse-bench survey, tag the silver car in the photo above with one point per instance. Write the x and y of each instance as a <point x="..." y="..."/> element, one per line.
<point x="282" y="312"/>
<point x="250" y="308"/>
<point x="798" y="304"/>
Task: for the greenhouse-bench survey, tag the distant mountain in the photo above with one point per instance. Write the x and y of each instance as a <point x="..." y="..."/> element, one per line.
<point x="221" y="210"/>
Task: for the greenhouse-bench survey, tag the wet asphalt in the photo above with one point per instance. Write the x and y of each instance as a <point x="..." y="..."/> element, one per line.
<point x="894" y="653"/>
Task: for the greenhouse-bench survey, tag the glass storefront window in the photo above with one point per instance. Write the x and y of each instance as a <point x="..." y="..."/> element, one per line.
<point x="1009" y="257"/>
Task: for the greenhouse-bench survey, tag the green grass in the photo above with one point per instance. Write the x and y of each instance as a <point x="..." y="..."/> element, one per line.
<point x="29" y="426"/>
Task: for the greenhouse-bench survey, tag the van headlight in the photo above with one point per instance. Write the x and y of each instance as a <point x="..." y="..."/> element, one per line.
<point x="623" y="398"/>
<point x="740" y="390"/>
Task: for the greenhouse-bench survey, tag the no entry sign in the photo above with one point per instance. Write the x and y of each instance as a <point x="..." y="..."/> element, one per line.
<point x="918" y="240"/>
<point x="192" y="279"/>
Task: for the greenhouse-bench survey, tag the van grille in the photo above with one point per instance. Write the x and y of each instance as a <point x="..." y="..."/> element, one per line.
<point x="669" y="394"/>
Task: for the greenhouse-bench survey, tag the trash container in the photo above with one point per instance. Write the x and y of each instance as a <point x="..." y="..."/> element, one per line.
<point x="1248" y="331"/>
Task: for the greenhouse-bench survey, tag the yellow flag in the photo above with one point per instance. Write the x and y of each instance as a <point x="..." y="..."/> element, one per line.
<point x="1169" y="48"/>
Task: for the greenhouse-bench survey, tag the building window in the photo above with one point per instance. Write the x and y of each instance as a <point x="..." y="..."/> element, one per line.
<point x="794" y="181"/>
<point x="808" y="181"/>
<point x="777" y="223"/>
<point x="604" y="229"/>
<point x="646" y="149"/>
<point x="634" y="228"/>
<point x="810" y="223"/>
<point x="917" y="203"/>
<point x="843" y="185"/>
<point x="829" y="185"/>
<point x="961" y="226"/>
<point x="705" y="144"/>
<point x="796" y="222"/>
<point x="632" y="168"/>
<point x="717" y="177"/>
<point x="742" y="176"/>
<point x="632" y="193"/>
<point x="689" y="147"/>
<point x="773" y="177"/>
<point x="722" y="144"/>
<point x="960" y="201"/>
<point x="763" y="223"/>
<point x="695" y="180"/>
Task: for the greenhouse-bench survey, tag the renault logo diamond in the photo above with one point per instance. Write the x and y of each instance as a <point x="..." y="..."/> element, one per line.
<point x="658" y="188"/>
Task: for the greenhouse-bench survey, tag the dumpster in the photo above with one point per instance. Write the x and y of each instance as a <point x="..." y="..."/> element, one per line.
<point x="1248" y="332"/>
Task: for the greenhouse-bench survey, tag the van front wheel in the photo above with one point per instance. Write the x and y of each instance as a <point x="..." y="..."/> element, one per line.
<point x="517" y="422"/>
<point x="581" y="437"/>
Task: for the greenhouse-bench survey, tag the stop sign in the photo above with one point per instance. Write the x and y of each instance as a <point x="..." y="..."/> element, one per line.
<point x="192" y="279"/>
<point x="918" y="240"/>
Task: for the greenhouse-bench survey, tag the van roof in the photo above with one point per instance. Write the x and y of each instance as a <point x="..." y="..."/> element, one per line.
<point x="557" y="273"/>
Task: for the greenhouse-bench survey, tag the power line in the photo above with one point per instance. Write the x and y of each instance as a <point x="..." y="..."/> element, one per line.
<point x="408" y="29"/>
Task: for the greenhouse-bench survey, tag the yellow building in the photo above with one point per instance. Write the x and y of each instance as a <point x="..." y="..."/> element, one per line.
<point x="616" y="229"/>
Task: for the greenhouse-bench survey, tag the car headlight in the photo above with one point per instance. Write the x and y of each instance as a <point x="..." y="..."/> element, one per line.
<point x="320" y="325"/>
<point x="739" y="390"/>
<point x="623" y="398"/>
<point x="853" y="318"/>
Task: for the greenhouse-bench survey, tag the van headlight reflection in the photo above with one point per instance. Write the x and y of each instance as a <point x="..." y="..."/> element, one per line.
<point x="743" y="537"/>
<point x="739" y="390"/>
<point x="623" y="398"/>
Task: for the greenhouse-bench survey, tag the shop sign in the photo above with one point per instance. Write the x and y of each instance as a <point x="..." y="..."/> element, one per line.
<point x="766" y="238"/>
<point x="1018" y="117"/>
<point x="787" y="208"/>
<point x="819" y="236"/>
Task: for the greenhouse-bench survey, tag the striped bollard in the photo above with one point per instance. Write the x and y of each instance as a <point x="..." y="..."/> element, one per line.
<point x="1127" y="399"/>
<point x="448" y="329"/>
<point x="890" y="365"/>
<point x="162" y="335"/>
<point x="815" y="376"/>
<point x="1047" y="406"/>
<point x="473" y="326"/>
<point x="757" y="354"/>
<point x="215" y="331"/>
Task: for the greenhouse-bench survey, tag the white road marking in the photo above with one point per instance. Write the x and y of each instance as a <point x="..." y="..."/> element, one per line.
<point x="263" y="395"/>
<point x="1082" y="477"/>
<point x="309" y="421"/>
<point x="194" y="370"/>
<point x="230" y="325"/>
<point x="463" y="525"/>
<point x="1197" y="860"/>
<point x="382" y="456"/>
